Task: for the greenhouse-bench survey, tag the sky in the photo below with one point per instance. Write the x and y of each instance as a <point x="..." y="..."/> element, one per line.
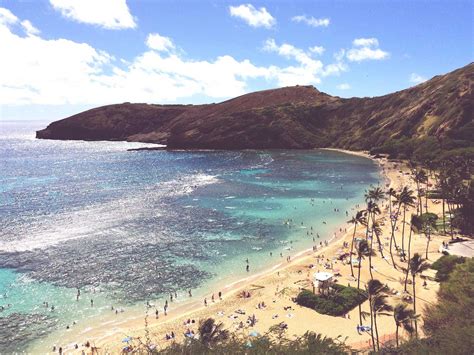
<point x="60" y="57"/>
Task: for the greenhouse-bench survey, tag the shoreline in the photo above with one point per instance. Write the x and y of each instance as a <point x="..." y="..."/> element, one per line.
<point x="229" y="289"/>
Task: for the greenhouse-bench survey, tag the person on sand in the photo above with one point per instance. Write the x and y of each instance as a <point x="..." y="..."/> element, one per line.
<point x="157" y="314"/>
<point x="220" y="295"/>
<point x="205" y="302"/>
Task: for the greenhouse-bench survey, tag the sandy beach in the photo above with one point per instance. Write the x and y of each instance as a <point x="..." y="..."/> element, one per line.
<point x="276" y="287"/>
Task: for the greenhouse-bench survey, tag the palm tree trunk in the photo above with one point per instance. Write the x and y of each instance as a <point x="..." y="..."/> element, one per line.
<point x="391" y="253"/>
<point x="396" y="336"/>
<point x="444" y="217"/>
<point x="352" y="248"/>
<point x="408" y="263"/>
<point x="450" y="209"/>
<point x="420" y="202"/>
<point x="376" y="332"/>
<point x="428" y="242"/>
<point x="403" y="231"/>
<point x="371" y="323"/>
<point x="414" y="307"/>
<point x="370" y="258"/>
<point x="358" y="287"/>
<point x="426" y="194"/>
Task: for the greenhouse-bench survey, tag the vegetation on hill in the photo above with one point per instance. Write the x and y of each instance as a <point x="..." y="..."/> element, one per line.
<point x="449" y="324"/>
<point x="445" y="265"/>
<point x="431" y="121"/>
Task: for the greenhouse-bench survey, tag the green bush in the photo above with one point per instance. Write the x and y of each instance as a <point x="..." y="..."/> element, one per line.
<point x="341" y="300"/>
<point x="445" y="265"/>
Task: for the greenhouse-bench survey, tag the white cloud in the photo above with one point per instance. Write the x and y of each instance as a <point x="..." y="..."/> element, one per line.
<point x="318" y="50"/>
<point x="6" y="17"/>
<point x="343" y="86"/>
<point x="366" y="42"/>
<point x="252" y="16"/>
<point x="109" y="14"/>
<point x="416" y="78"/>
<point x="159" y="43"/>
<point x="34" y="70"/>
<point x="309" y="71"/>
<point x="366" y="49"/>
<point x="311" y="21"/>
<point x="29" y="28"/>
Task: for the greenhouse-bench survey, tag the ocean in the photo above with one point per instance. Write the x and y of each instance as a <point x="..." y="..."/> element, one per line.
<point x="129" y="227"/>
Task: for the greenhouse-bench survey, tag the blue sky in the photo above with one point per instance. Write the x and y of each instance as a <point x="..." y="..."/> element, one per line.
<point x="59" y="57"/>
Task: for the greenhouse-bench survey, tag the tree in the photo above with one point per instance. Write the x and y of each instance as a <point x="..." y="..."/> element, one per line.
<point x="406" y="199"/>
<point x="362" y="251"/>
<point x="417" y="266"/>
<point x="393" y="220"/>
<point x="372" y="210"/>
<point x="420" y="177"/>
<point x="415" y="224"/>
<point x="403" y="317"/>
<point x="358" y="219"/>
<point x="378" y="307"/>
<point x="429" y="224"/>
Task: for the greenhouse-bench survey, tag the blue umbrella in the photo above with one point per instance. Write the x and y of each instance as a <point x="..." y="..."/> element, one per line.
<point x="254" y="333"/>
<point x="127" y="340"/>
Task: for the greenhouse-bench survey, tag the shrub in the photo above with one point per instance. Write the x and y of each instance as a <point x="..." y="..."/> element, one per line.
<point x="341" y="300"/>
<point x="445" y="265"/>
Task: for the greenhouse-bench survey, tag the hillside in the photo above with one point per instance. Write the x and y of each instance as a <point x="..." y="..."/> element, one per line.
<point x="427" y="115"/>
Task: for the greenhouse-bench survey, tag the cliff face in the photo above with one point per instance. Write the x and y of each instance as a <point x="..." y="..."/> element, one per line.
<point x="292" y="118"/>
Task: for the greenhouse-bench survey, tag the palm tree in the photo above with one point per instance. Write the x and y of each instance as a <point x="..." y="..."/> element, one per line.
<point x="377" y="230"/>
<point x="358" y="219"/>
<point x="375" y="194"/>
<point x="362" y="251"/>
<point x="419" y="177"/>
<point x="430" y="165"/>
<point x="403" y="317"/>
<point x="393" y="222"/>
<point x="372" y="210"/>
<point x="416" y="224"/>
<point x="211" y="333"/>
<point x="429" y="224"/>
<point x="417" y="266"/>
<point x="378" y="307"/>
<point x="406" y="198"/>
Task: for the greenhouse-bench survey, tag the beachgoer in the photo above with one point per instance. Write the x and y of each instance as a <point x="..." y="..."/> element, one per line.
<point x="92" y="303"/>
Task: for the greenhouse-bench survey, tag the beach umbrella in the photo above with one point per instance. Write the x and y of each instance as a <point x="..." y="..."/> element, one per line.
<point x="127" y="340"/>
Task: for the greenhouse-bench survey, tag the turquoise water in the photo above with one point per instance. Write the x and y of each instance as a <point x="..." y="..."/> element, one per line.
<point x="129" y="227"/>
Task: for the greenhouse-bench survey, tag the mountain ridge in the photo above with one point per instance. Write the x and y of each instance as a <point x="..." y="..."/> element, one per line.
<point x="298" y="117"/>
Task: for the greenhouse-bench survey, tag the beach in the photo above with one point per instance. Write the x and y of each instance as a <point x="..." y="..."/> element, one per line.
<point x="275" y="288"/>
